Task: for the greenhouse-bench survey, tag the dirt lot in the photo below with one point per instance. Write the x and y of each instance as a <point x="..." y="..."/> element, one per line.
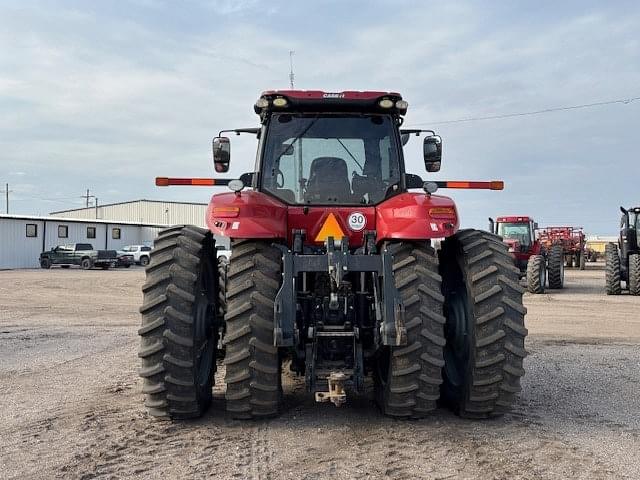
<point x="70" y="405"/>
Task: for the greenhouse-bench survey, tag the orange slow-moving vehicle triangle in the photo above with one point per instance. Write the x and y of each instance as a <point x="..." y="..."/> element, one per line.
<point x="330" y="228"/>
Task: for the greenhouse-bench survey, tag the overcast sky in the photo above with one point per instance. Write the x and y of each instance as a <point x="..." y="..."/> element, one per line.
<point x="108" y="95"/>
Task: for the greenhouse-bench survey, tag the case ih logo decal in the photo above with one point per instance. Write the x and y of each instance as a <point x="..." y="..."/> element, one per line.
<point x="357" y="221"/>
<point x="333" y="95"/>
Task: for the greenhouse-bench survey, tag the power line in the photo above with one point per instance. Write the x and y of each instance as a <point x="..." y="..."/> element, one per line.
<point x="624" y="101"/>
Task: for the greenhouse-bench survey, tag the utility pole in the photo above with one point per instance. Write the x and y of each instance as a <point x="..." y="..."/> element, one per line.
<point x="96" y="202"/>
<point x="7" y="192"/>
<point x="87" y="197"/>
<point x="291" y="76"/>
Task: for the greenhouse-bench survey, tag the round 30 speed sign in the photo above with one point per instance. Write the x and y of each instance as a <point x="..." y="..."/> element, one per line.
<point x="357" y="221"/>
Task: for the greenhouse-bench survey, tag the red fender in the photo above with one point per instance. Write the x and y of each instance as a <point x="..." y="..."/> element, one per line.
<point x="416" y="216"/>
<point x="249" y="214"/>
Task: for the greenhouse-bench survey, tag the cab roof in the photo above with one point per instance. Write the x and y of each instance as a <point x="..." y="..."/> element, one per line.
<point x="514" y="219"/>
<point x="321" y="101"/>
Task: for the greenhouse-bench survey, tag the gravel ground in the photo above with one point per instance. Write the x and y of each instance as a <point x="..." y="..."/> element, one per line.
<point x="70" y="405"/>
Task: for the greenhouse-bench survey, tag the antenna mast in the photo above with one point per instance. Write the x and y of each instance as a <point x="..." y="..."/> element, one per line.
<point x="291" y="76"/>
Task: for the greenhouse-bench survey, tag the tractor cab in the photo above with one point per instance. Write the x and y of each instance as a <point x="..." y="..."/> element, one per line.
<point x="517" y="232"/>
<point x="629" y="228"/>
<point x="333" y="160"/>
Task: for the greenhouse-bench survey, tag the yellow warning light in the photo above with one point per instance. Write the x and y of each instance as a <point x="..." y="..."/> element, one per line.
<point x="330" y="228"/>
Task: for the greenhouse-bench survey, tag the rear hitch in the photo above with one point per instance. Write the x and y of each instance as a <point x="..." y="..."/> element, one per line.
<point x="336" y="393"/>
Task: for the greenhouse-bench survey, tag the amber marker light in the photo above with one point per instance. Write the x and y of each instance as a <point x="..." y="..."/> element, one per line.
<point x="198" y="182"/>
<point x="493" y="185"/>
<point x="226" y="211"/>
<point x="442" y="212"/>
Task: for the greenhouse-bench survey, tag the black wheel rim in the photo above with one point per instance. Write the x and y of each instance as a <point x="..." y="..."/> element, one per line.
<point x="203" y="324"/>
<point x="457" y="334"/>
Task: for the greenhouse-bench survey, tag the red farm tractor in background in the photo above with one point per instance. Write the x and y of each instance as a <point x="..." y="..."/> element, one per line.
<point x="572" y="240"/>
<point x="536" y="260"/>
<point x="333" y="274"/>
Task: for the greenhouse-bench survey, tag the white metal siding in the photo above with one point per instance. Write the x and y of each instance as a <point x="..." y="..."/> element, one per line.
<point x="142" y="211"/>
<point x="16" y="250"/>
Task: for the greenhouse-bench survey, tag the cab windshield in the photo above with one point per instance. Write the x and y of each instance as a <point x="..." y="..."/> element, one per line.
<point x="516" y="231"/>
<point x="331" y="159"/>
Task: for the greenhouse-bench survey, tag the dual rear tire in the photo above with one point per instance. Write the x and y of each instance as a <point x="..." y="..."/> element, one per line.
<point x="465" y="329"/>
<point x="178" y="334"/>
<point x="484" y="328"/>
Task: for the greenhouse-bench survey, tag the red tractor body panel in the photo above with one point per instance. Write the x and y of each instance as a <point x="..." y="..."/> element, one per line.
<point x="415" y="216"/>
<point x="408" y="216"/>
<point x="251" y="214"/>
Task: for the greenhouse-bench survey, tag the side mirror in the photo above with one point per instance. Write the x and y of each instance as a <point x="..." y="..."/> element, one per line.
<point x="432" y="150"/>
<point x="535" y="225"/>
<point x="221" y="154"/>
<point x="404" y="138"/>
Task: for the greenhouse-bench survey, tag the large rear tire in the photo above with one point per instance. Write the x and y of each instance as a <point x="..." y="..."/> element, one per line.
<point x="254" y="387"/>
<point x="536" y="274"/>
<point x="408" y="377"/>
<point x="634" y="274"/>
<point x="223" y="266"/>
<point x="555" y="267"/>
<point x="612" y="269"/>
<point x="178" y="335"/>
<point x="484" y="328"/>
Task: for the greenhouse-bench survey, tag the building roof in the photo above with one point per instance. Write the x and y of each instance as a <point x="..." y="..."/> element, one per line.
<point x="130" y="201"/>
<point x="79" y="220"/>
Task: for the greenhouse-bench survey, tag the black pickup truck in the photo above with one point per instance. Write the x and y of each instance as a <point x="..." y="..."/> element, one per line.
<point x="81" y="254"/>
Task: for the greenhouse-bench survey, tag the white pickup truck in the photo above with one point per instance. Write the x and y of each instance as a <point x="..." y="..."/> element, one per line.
<point x="140" y="253"/>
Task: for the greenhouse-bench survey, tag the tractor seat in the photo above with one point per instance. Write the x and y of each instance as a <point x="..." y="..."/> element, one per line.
<point x="328" y="181"/>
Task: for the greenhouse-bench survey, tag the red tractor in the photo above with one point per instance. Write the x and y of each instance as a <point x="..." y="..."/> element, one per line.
<point x="572" y="241"/>
<point x="535" y="259"/>
<point x="333" y="273"/>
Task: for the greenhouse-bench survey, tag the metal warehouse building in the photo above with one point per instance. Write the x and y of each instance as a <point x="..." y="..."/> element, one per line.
<point x="23" y="238"/>
<point x="143" y="211"/>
